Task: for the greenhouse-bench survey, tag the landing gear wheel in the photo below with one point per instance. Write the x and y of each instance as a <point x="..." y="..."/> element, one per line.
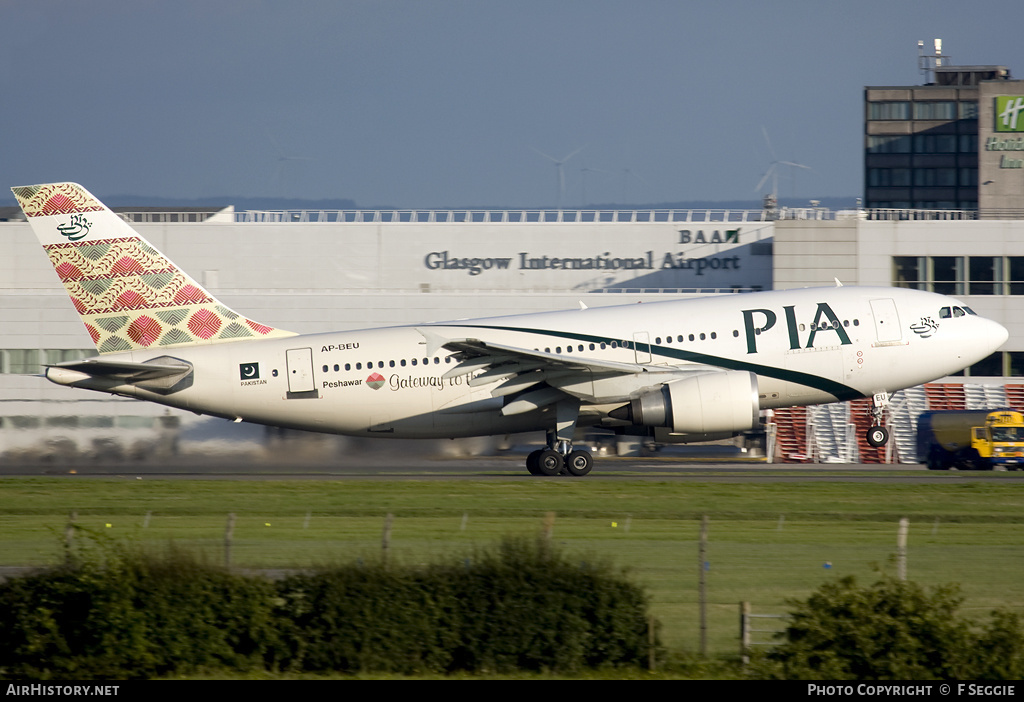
<point x="533" y="462"/>
<point x="549" y="462"/>
<point x="877" y="436"/>
<point x="579" y="463"/>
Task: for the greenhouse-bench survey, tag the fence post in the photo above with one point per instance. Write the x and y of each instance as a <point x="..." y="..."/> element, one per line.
<point x="549" y="525"/>
<point x="651" y="641"/>
<point x="702" y="585"/>
<point x="745" y="632"/>
<point x="385" y="542"/>
<point x="901" y="549"/>
<point x="69" y="535"/>
<point x="229" y="533"/>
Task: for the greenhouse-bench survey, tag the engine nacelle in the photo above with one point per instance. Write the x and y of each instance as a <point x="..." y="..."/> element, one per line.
<point x="708" y="403"/>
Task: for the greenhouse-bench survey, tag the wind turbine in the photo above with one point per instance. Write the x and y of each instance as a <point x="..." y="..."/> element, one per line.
<point x="558" y="168"/>
<point x="282" y="159"/>
<point x="626" y="173"/>
<point x="583" y="182"/>
<point x="773" y="170"/>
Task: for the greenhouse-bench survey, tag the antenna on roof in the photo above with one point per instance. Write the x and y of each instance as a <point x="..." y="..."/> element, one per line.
<point x="927" y="63"/>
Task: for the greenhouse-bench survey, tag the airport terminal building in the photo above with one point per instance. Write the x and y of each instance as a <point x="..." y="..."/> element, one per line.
<point x="943" y="211"/>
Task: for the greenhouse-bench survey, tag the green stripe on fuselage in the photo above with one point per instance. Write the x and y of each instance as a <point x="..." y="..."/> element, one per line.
<point x="839" y="390"/>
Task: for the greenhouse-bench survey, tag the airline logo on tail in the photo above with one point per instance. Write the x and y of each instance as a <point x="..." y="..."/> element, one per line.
<point x="129" y="295"/>
<point x="76" y="229"/>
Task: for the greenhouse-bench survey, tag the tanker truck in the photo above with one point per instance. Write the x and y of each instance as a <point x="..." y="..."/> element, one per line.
<point x="971" y="439"/>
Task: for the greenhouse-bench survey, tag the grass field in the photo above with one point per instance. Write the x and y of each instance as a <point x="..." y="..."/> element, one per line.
<point x="768" y="542"/>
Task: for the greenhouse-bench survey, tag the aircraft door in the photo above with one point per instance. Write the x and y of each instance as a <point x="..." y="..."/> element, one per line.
<point x="642" y="347"/>
<point x="300" y="370"/>
<point x="887" y="320"/>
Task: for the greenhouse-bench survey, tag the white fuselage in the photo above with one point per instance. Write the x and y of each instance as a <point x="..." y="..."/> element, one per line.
<point x="805" y="346"/>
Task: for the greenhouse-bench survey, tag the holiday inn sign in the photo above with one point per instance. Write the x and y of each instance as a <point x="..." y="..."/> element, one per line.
<point x="1010" y="113"/>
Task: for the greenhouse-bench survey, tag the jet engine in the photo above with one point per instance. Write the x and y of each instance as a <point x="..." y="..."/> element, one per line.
<point x="708" y="403"/>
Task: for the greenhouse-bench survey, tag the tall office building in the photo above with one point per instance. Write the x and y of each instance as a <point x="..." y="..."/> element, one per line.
<point x="955" y="143"/>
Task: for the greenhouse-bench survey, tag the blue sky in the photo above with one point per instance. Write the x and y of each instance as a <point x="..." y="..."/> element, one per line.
<point x="438" y="103"/>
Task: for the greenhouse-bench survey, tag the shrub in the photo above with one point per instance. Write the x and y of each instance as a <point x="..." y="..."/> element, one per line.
<point x="114" y="611"/>
<point x="520" y="606"/>
<point x="891" y="630"/>
<point x="117" y="612"/>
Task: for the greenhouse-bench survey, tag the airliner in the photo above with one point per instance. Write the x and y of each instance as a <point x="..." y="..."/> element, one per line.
<point x="677" y="371"/>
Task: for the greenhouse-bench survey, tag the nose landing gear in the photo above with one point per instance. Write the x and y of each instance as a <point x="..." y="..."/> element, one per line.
<point x="877" y="435"/>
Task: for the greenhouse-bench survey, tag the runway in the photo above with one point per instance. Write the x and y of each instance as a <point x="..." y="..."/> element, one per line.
<point x="390" y="467"/>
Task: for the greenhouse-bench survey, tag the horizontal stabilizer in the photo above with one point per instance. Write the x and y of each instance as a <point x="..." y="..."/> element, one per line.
<point x="163" y="375"/>
<point x="124" y="369"/>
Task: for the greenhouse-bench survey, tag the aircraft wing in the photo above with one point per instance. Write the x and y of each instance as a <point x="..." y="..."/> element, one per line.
<point x="476" y="354"/>
<point x="530" y="379"/>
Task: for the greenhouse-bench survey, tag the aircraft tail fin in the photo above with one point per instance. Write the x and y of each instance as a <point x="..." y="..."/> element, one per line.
<point x="129" y="295"/>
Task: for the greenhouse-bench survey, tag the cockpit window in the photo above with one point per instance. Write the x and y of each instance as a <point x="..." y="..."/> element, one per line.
<point x="968" y="310"/>
<point x="947" y="312"/>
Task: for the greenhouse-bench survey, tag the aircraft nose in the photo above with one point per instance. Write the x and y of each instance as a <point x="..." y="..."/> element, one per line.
<point x="996" y="333"/>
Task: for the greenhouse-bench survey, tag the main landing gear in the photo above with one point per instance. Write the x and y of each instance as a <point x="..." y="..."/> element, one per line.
<point x="553" y="462"/>
<point x="560" y="457"/>
<point x="877" y="435"/>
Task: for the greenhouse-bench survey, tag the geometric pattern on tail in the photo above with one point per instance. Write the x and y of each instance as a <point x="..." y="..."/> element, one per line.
<point x="131" y="297"/>
<point x="55" y="199"/>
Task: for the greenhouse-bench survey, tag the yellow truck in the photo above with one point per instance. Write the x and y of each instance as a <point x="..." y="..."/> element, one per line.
<point x="971" y="439"/>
